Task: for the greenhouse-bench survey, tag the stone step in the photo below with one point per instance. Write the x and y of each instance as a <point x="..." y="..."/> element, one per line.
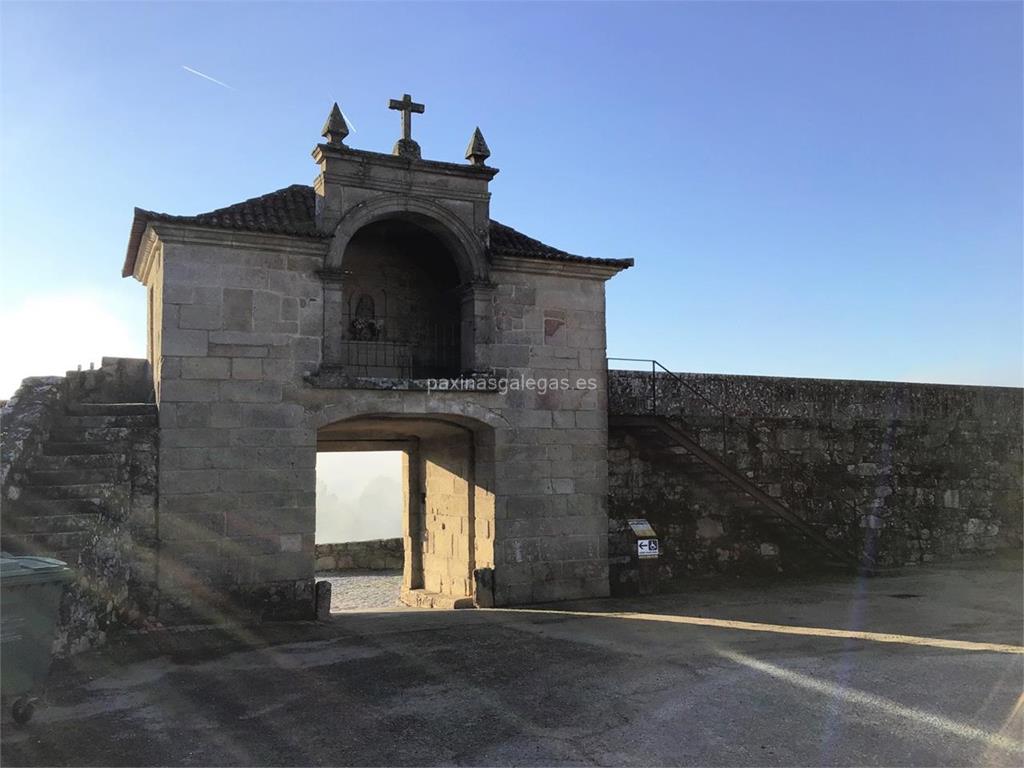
<point x="148" y="420"/>
<point x="31" y="524"/>
<point x="78" y="448"/>
<point x="48" y="544"/>
<point x="112" y="409"/>
<point x="77" y="460"/>
<point x="15" y="544"/>
<point x="62" y="434"/>
<point x="746" y="502"/>
<point x="36" y="478"/>
<point x="95" y="491"/>
<point x="35" y="507"/>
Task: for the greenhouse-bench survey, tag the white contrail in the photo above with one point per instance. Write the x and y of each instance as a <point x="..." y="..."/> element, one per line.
<point x="350" y="125"/>
<point x="206" y="77"/>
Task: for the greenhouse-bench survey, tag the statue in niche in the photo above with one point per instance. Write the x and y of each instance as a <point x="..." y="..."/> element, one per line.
<point x="364" y="325"/>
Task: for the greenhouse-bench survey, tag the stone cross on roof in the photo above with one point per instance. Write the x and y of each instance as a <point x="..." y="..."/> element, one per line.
<point x="405" y="146"/>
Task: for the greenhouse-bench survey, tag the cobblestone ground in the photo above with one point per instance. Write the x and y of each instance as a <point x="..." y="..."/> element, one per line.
<point x="363" y="590"/>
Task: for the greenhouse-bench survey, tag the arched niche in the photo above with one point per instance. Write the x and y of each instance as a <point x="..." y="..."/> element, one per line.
<point x="396" y="308"/>
<point x="441" y="347"/>
<point x="466" y="247"/>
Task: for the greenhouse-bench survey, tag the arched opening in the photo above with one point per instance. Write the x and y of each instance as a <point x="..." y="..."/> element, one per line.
<point x="447" y="500"/>
<point x="359" y="527"/>
<point x="395" y="310"/>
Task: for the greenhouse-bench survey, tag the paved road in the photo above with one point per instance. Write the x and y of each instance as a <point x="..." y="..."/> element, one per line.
<point x="716" y="676"/>
<point x="363" y="590"/>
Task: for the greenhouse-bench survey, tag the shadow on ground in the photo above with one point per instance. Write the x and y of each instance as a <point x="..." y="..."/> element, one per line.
<point x="564" y="686"/>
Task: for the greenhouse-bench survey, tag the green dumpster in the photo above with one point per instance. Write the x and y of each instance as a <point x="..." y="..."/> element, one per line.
<point x="30" y="593"/>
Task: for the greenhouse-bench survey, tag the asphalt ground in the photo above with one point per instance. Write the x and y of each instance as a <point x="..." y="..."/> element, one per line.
<point x="921" y="669"/>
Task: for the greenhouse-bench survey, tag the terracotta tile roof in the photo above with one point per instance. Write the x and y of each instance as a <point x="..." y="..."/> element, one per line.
<point x="292" y="211"/>
<point x="506" y="241"/>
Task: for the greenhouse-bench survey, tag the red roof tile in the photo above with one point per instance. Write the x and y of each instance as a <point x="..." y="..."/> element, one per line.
<point x="292" y="211"/>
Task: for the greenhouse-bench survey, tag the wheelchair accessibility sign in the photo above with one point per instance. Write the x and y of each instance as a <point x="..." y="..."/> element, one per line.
<point x="647" y="548"/>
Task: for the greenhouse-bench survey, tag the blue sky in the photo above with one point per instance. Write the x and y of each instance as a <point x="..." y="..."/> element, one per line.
<point x="812" y="189"/>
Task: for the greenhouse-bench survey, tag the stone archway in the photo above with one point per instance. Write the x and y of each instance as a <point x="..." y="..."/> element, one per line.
<point x="448" y="499"/>
<point x="467" y="246"/>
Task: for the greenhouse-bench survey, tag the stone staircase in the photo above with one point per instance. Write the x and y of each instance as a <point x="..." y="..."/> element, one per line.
<point x="81" y="480"/>
<point x="80" y="486"/>
<point x="799" y="540"/>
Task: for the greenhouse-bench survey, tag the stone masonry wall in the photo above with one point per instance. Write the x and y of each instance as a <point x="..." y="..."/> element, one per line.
<point x="539" y="508"/>
<point x="447" y="485"/>
<point x="241" y="324"/>
<point x="918" y="473"/>
<point x="372" y="555"/>
<point x="551" y="472"/>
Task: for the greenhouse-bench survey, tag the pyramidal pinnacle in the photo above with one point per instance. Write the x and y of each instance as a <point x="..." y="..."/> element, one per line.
<point x="335" y="129"/>
<point x="477" y="151"/>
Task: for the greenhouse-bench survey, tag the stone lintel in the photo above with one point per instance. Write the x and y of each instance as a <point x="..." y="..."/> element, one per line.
<point x="393" y="443"/>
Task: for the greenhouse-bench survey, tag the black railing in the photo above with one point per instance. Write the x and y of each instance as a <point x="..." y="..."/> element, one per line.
<point x="378" y="349"/>
<point x="726" y="421"/>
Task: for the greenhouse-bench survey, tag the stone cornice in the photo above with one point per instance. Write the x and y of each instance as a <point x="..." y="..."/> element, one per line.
<point x="234" y="238"/>
<point x="158" y="233"/>
<point x="356" y="180"/>
<point x="331" y="275"/>
<point x="147" y="256"/>
<point x="580" y="269"/>
<point x="482" y="172"/>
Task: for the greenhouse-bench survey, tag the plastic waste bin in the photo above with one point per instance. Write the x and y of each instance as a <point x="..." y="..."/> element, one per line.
<point x="30" y="593"/>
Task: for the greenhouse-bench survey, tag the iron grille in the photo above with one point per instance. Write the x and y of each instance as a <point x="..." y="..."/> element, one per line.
<point x="385" y="348"/>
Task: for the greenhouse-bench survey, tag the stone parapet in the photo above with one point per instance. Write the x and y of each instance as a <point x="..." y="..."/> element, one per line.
<point x="372" y="555"/>
<point x="913" y="473"/>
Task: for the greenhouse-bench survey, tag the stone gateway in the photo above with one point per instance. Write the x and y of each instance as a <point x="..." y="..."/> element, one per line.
<point x="322" y="319"/>
<point x="382" y="308"/>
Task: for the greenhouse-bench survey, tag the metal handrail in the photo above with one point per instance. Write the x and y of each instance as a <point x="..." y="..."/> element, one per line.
<point x="654" y="392"/>
<point x="727" y="418"/>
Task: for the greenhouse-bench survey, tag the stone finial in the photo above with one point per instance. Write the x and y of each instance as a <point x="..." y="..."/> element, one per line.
<point x="477" y="151"/>
<point x="335" y="129"/>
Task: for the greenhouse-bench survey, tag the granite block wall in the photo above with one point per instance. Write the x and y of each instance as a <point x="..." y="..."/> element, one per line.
<point x="550" y="465"/>
<point x="916" y="472"/>
<point x="240" y="324"/>
<point x="242" y="393"/>
<point x="371" y="555"/>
